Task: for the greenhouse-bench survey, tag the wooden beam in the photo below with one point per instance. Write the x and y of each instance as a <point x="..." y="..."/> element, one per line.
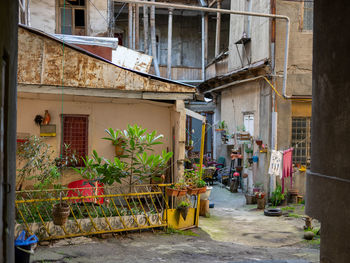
<point x="212" y="3"/>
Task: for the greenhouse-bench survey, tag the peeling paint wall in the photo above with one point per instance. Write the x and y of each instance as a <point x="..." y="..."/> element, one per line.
<point x="260" y="37"/>
<point x="103" y="113"/>
<point x="43" y="16"/>
<point x="40" y="62"/>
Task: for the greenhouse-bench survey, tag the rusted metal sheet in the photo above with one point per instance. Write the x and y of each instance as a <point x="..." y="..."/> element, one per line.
<point x="41" y="62"/>
<point x="131" y="59"/>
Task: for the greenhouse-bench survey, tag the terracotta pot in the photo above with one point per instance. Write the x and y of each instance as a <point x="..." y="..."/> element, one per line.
<point x="192" y="191"/>
<point x="259" y="142"/>
<point x="245" y="175"/>
<point x="250" y="199"/>
<point x="202" y="190"/>
<point x="182" y="192"/>
<point x="172" y="192"/>
<point x="119" y="150"/>
<point x="60" y="213"/>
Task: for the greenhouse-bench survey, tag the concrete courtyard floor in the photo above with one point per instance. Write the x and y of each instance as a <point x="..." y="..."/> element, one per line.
<point x="234" y="233"/>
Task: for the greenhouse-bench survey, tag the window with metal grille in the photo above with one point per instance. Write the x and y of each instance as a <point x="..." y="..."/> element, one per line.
<point x="301" y="140"/>
<point x="308" y="18"/>
<point x="75" y="134"/>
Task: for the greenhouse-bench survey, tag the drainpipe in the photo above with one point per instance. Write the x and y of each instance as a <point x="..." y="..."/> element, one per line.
<point x="232" y="12"/>
<point x="170" y="36"/>
<point x="249" y="22"/>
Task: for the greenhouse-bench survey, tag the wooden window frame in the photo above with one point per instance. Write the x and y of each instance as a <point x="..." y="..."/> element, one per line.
<point x="58" y="16"/>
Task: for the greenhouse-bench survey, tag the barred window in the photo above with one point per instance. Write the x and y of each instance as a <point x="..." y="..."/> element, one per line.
<point x="75" y="134"/>
<point x="301" y="140"/>
<point x="308" y="18"/>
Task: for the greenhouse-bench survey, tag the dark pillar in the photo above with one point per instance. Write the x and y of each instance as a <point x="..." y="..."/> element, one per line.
<point x="328" y="183"/>
<point x="8" y="82"/>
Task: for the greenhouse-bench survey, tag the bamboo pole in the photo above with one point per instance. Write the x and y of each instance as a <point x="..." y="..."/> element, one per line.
<point x="170" y="36"/>
<point x="153" y="39"/>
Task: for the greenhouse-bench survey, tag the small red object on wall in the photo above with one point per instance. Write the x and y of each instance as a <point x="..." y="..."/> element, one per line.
<point x="47" y="118"/>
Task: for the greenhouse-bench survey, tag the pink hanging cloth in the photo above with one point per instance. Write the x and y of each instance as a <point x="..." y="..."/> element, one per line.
<point x="287" y="170"/>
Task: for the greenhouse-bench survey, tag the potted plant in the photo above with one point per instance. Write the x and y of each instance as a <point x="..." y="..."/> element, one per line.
<point x="277" y="198"/>
<point x="222" y="126"/>
<point x="117" y="139"/>
<point x="60" y="212"/>
<point x="183" y="208"/>
<point x="201" y="185"/>
<point x="258" y="141"/>
<point x="260" y="197"/>
<point x="178" y="189"/>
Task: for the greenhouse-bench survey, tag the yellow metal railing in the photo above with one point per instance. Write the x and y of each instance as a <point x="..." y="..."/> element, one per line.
<point x="92" y="210"/>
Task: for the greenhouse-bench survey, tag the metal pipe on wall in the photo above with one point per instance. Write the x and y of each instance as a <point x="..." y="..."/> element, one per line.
<point x="170" y="38"/>
<point x="153" y="38"/>
<point x="218" y="30"/>
<point x="232" y="12"/>
<point x="203" y="46"/>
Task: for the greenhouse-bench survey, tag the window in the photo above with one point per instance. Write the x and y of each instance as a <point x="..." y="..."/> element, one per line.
<point x="308" y="18"/>
<point x="301" y="140"/>
<point x="249" y="123"/>
<point x="75" y="134"/>
<point x="72" y="17"/>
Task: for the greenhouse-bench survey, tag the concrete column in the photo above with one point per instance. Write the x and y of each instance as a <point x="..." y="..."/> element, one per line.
<point x="153" y="39"/>
<point x="145" y="28"/>
<point x="180" y="139"/>
<point x="218" y="29"/>
<point x="170" y="39"/>
<point x="328" y="181"/>
<point x="130" y="26"/>
<point x="133" y="27"/>
<point x="137" y="27"/>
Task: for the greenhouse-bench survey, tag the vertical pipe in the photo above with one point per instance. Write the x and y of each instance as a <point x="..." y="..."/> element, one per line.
<point x="203" y="46"/>
<point x="218" y="29"/>
<point x="145" y="28"/>
<point x="153" y="38"/>
<point x="249" y="22"/>
<point x="130" y="26"/>
<point x="133" y="26"/>
<point x="137" y="27"/>
<point x="206" y="37"/>
<point x="201" y="155"/>
<point x="170" y="36"/>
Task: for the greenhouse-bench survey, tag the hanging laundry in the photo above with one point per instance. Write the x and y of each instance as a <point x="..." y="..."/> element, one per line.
<point x="287" y="167"/>
<point x="275" y="167"/>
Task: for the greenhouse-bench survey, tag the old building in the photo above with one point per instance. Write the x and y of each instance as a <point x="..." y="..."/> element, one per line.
<point x="243" y="81"/>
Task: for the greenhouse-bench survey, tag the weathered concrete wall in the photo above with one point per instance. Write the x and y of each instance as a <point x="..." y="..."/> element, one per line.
<point x="8" y="104"/>
<point x="103" y="113"/>
<point x="300" y="49"/>
<point x="259" y="45"/>
<point x="328" y="182"/>
<point x="98" y="14"/>
<point x="43" y="16"/>
<point x="40" y="62"/>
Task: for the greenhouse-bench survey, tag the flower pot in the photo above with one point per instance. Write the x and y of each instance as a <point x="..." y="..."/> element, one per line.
<point x="259" y="142"/>
<point x="183" y="211"/>
<point x="250" y="199"/>
<point x="261" y="203"/>
<point x="119" y="150"/>
<point x="192" y="191"/>
<point x="202" y="190"/>
<point x="172" y="192"/>
<point x="182" y="192"/>
<point x="60" y="213"/>
<point x="245" y="175"/>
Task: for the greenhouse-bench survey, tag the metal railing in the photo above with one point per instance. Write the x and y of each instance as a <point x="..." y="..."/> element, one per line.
<point x="92" y="210"/>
